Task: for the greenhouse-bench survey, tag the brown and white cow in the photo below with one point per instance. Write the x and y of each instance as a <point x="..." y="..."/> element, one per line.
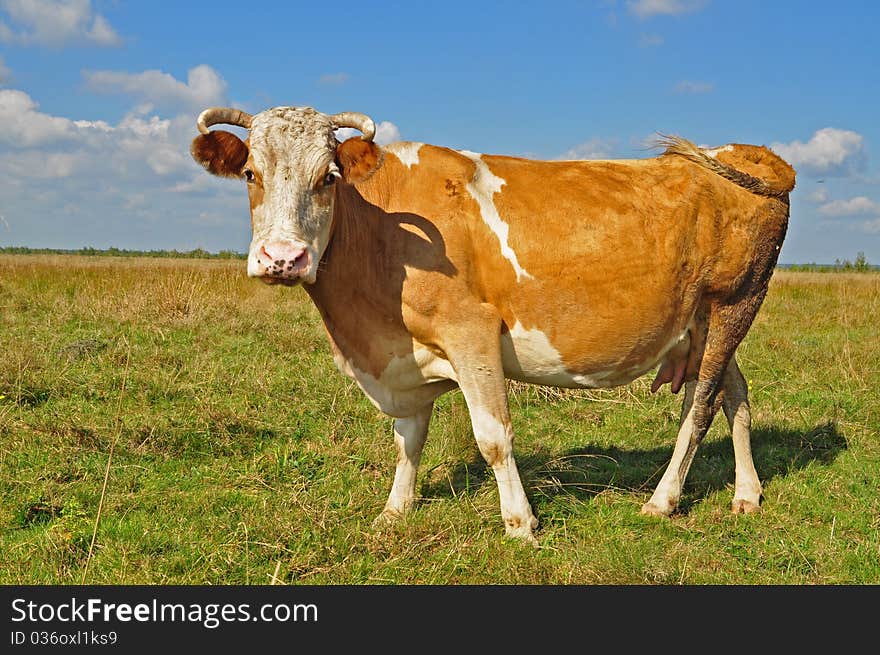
<point x="434" y="268"/>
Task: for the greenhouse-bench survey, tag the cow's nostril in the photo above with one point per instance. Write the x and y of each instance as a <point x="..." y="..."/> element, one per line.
<point x="283" y="259"/>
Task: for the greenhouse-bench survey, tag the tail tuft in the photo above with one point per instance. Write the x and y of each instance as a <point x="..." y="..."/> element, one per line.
<point x="755" y="168"/>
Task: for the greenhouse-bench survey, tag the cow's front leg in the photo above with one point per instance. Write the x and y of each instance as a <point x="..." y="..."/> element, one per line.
<point x="477" y="362"/>
<point x="409" y="437"/>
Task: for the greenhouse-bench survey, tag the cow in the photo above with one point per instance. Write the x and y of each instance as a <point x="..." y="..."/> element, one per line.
<point x="434" y="269"/>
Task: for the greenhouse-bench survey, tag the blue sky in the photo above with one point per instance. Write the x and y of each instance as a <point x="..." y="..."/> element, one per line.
<point x="98" y="99"/>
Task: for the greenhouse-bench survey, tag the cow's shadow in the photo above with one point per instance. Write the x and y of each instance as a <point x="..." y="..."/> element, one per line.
<point x="582" y="473"/>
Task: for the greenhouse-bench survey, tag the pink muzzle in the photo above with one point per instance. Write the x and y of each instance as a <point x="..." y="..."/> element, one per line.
<point x="283" y="260"/>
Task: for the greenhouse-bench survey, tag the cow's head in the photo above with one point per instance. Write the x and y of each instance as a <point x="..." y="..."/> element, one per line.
<point x="291" y="161"/>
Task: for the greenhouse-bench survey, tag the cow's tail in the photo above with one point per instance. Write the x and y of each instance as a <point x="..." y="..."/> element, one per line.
<point x="754" y="168"/>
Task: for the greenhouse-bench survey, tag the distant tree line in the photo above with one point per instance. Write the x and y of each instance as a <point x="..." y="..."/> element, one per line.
<point x="860" y="265"/>
<point x="198" y="253"/>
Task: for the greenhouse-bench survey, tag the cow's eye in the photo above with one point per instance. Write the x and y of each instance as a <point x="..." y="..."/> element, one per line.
<point x="330" y="178"/>
<point x="249" y="175"/>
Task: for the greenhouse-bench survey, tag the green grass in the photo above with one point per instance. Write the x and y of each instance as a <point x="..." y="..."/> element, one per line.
<point x="238" y="447"/>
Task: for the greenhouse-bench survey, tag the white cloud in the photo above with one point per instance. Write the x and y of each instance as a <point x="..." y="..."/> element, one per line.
<point x="71" y="183"/>
<point x="24" y="126"/>
<point x="386" y="132"/>
<point x="136" y="141"/>
<point x="818" y="196"/>
<point x="4" y="71"/>
<point x="38" y="165"/>
<point x="333" y="79"/>
<point x="829" y="151"/>
<point x="858" y="206"/>
<point x="687" y="86"/>
<point x="204" y="87"/>
<point x="55" y="23"/>
<point x="647" y="8"/>
<point x="102" y="32"/>
<point x="595" y="148"/>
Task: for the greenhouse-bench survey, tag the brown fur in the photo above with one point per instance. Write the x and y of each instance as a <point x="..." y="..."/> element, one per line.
<point x="256" y="192"/>
<point x="358" y="159"/>
<point x="220" y="152"/>
<point x="760" y="162"/>
<point x="638" y="247"/>
<point x="754" y="168"/>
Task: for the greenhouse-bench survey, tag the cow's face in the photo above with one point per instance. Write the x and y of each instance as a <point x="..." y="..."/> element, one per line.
<point x="291" y="162"/>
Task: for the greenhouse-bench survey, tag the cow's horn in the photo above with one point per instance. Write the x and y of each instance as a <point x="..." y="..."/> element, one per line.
<point x="356" y="120"/>
<point x="227" y="115"/>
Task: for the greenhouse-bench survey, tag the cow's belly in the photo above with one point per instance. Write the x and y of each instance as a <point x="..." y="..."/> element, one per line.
<point x="409" y="382"/>
<point x="529" y="356"/>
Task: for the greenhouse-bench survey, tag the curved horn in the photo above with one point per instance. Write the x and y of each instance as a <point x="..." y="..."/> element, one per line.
<point x="356" y="120"/>
<point x="227" y="115"/>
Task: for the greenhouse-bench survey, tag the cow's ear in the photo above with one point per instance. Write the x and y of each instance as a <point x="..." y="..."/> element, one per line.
<point x="220" y="152"/>
<point x="357" y="159"/>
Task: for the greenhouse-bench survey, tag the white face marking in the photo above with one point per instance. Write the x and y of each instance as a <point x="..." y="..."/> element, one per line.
<point x="482" y="188"/>
<point x="714" y="152"/>
<point x="407" y="152"/>
<point x="291" y="149"/>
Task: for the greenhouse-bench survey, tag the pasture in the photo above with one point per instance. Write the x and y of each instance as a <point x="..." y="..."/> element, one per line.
<point x="236" y="449"/>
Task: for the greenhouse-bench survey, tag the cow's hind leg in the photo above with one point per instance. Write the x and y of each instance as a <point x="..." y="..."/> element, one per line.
<point x="747" y="485"/>
<point x="728" y="324"/>
<point x="477" y="362"/>
<point x="409" y="437"/>
<point x="693" y="426"/>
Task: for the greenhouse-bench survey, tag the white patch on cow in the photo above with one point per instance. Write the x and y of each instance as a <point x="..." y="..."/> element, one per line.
<point x="482" y="188"/>
<point x="714" y="152"/>
<point x="421" y="367"/>
<point x="486" y="425"/>
<point x="528" y="355"/>
<point x="680" y="339"/>
<point x="495" y="440"/>
<point x="668" y="492"/>
<point x="407" y="384"/>
<point x="406" y="151"/>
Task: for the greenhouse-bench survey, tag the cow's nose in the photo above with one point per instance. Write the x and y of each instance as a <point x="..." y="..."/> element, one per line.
<point x="283" y="259"/>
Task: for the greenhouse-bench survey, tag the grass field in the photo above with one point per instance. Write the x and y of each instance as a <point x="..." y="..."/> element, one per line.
<point x="238" y="449"/>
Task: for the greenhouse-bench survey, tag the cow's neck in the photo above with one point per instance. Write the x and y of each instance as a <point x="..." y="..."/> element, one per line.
<point x="357" y="291"/>
<point x="350" y="259"/>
